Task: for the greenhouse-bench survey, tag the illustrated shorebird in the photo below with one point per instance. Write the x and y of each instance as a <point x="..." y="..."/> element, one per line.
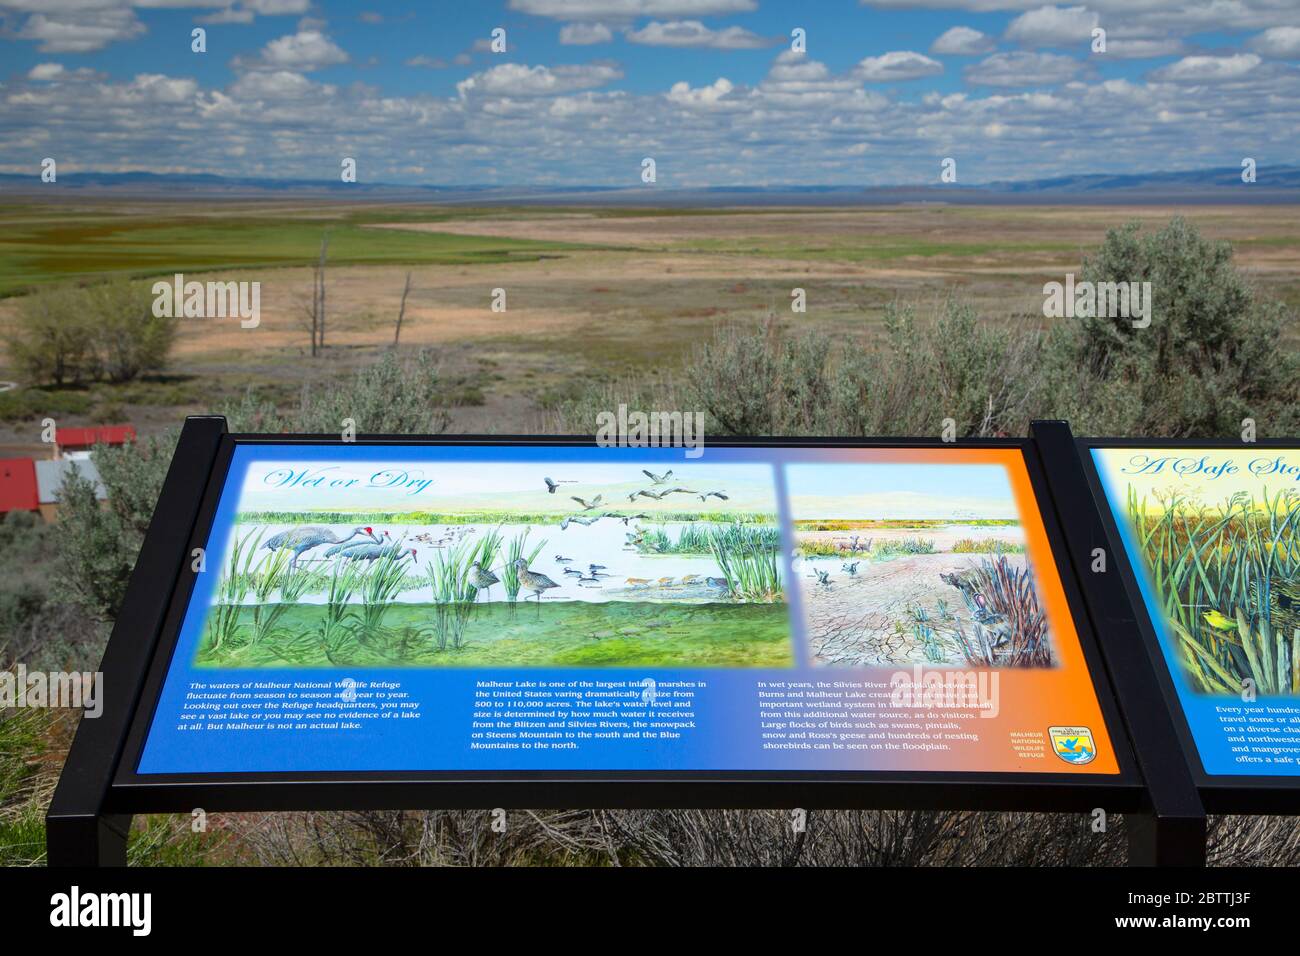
<point x="587" y="505"/>
<point x="658" y="479"/>
<point x="716" y="582"/>
<point x="482" y="578"/>
<point x="664" y="582"/>
<point x="537" y="583"/>
<point x="577" y="520"/>
<point x="823" y="577"/>
<point x="300" y="540"/>
<point x="690" y="578"/>
<point x="851" y="568"/>
<point x="560" y="559"/>
<point x="638" y="582"/>
<point x="552" y="485"/>
<point x="714" y="494"/>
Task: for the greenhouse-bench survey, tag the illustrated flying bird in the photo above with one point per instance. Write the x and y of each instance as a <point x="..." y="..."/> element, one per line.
<point x="673" y="491"/>
<point x="658" y="479"/>
<point x="587" y="505"/>
<point x="714" y="494"/>
<point x="577" y="520"/>
<point x="552" y="485"/>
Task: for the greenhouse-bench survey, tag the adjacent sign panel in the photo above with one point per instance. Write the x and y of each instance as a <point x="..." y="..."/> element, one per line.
<point x="1212" y="536"/>
<point x="560" y="608"/>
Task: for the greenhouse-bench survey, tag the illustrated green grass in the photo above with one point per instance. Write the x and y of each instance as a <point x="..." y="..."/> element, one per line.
<point x="747" y="558"/>
<point x="558" y="634"/>
<point x="1239" y="564"/>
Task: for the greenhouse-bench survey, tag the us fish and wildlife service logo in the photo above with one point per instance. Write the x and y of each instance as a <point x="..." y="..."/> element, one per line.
<point x="1073" y="744"/>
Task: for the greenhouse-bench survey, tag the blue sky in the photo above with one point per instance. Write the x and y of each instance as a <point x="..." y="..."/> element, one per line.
<point x="711" y="89"/>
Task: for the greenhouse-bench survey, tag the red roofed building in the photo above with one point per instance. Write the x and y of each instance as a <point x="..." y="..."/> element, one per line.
<point x="77" y="442"/>
<point x="18" y="485"/>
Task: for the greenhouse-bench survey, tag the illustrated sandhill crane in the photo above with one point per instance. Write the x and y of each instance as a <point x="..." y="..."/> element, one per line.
<point x="564" y="524"/>
<point x="675" y="491"/>
<point x="587" y="505"/>
<point x="625" y="518"/>
<point x="658" y="479"/>
<point x="537" y="583"/>
<point x="552" y="485"/>
<point x="347" y="546"/>
<point x="301" y="540"/>
<point x="714" y="494"/>
<point x="373" y="552"/>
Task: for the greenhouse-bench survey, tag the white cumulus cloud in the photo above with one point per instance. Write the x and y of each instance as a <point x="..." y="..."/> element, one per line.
<point x="1208" y="69"/>
<point x="963" y="41"/>
<point x="693" y="33"/>
<point x="897" y="65"/>
<point x="585" y="34"/>
<point x="705" y="96"/>
<point x="517" y="79"/>
<point x="1022" y="69"/>
<point x="1280" y="42"/>
<point x="1054" y="26"/>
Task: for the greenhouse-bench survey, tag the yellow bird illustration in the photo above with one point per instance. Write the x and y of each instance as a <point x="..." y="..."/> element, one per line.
<point x="1219" y="621"/>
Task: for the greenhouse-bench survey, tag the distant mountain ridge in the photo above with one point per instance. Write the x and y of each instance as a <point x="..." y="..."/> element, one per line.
<point x="1217" y="185"/>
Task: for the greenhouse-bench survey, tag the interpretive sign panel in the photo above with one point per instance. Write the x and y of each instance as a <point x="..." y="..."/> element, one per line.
<point x="562" y="607"/>
<point x="1210" y="533"/>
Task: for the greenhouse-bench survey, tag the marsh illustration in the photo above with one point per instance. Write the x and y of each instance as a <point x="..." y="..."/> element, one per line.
<point x="514" y="565"/>
<point x="914" y="564"/>
<point x="1227" y="580"/>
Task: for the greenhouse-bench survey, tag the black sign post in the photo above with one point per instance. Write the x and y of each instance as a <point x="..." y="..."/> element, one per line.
<point x="100" y="789"/>
<point x="1172" y="830"/>
<point x="81" y="829"/>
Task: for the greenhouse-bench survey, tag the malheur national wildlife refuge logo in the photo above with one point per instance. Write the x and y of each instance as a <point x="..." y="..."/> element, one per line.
<point x="1073" y="744"/>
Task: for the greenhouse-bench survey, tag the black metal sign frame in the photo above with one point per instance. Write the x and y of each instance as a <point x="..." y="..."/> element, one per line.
<point x="99" y="791"/>
<point x="1220" y="793"/>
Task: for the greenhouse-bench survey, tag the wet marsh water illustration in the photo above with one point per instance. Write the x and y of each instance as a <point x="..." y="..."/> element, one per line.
<point x="600" y="581"/>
